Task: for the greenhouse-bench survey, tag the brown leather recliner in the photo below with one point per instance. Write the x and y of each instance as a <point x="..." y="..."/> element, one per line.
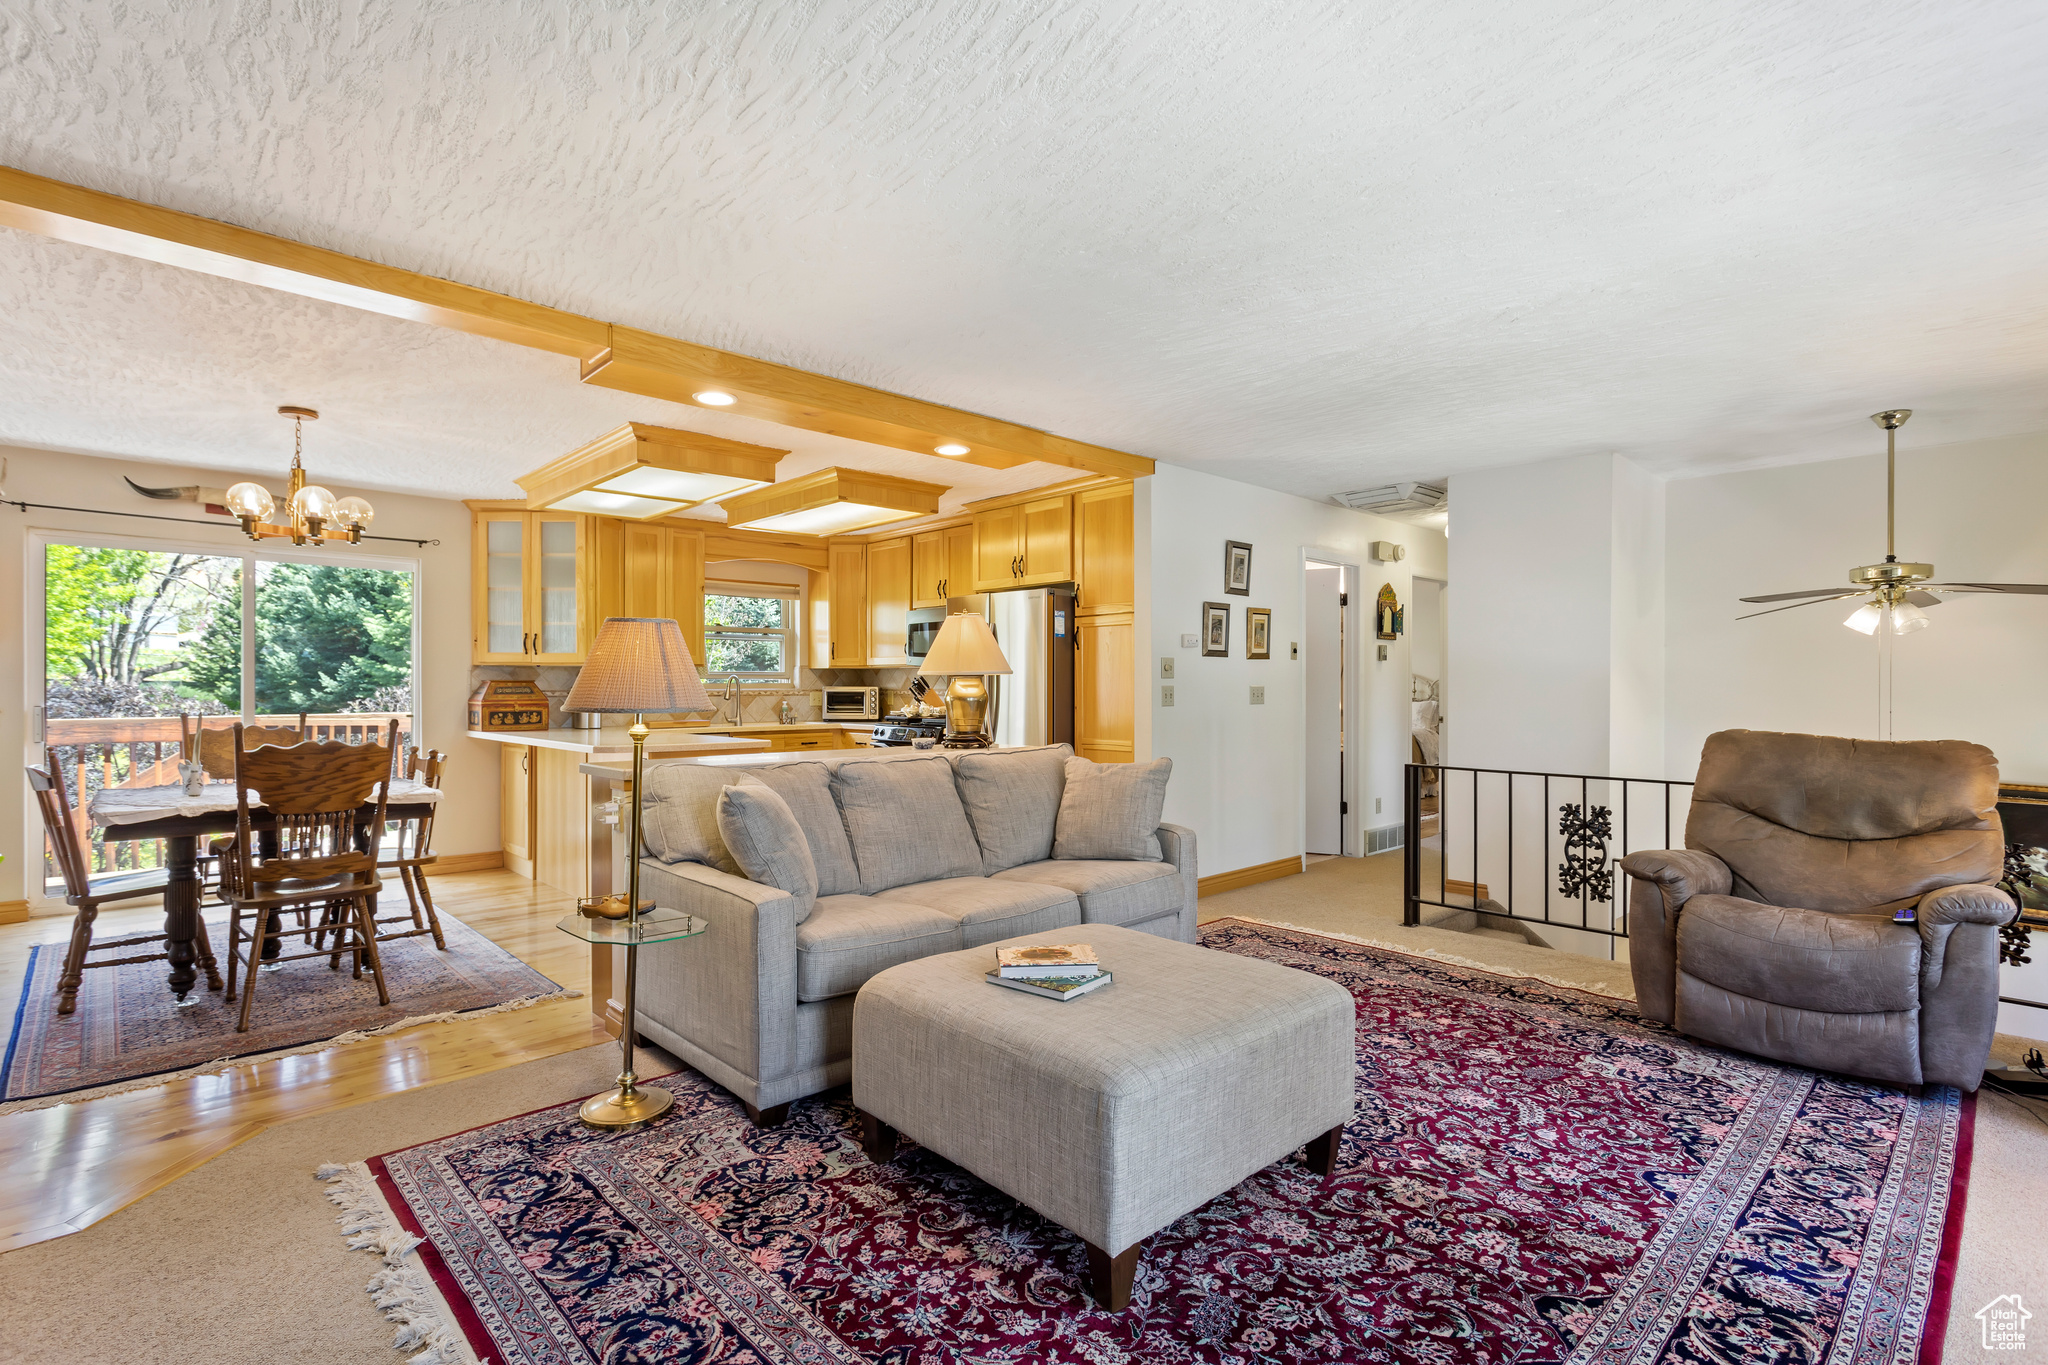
<point x="1772" y="931"/>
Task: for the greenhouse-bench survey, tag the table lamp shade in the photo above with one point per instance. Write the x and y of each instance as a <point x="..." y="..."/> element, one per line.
<point x="965" y="645"/>
<point x="638" y="664"/>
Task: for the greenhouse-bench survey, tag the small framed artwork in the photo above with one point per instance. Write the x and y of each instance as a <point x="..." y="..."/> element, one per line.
<point x="1258" y="632"/>
<point x="1215" y="630"/>
<point x="1387" y="613"/>
<point x="1237" y="568"/>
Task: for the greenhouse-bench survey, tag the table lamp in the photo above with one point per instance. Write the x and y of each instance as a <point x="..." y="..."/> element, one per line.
<point x="966" y="653"/>
<point x="638" y="664"/>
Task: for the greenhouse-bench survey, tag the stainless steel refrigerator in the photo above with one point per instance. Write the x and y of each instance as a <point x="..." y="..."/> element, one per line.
<point x="1034" y="627"/>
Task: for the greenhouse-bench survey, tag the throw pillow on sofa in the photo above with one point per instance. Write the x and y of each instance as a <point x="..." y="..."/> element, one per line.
<point x="1111" y="810"/>
<point x="905" y="822"/>
<point x="679" y="814"/>
<point x="807" y="787"/>
<point x="1013" y="802"/>
<point x="768" y="844"/>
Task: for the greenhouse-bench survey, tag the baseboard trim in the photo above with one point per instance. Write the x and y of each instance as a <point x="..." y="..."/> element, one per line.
<point x="13" y="912"/>
<point x="470" y="862"/>
<point x="1248" y="876"/>
<point x="1477" y="891"/>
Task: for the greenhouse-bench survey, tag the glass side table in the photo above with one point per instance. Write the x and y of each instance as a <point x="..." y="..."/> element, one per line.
<point x="630" y="1104"/>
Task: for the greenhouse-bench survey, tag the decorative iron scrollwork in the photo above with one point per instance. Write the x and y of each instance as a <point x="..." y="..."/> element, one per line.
<point x="2014" y="939"/>
<point x="1585" y="870"/>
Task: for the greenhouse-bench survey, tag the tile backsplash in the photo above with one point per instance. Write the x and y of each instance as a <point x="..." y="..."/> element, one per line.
<point x="759" y="705"/>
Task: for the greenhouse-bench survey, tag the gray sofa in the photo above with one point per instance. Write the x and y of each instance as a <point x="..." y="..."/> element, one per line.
<point x="1772" y="931"/>
<point x="762" y="1002"/>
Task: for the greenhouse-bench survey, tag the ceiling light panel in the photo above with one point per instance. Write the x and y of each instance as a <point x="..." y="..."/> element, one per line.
<point x="833" y="502"/>
<point x="644" y="472"/>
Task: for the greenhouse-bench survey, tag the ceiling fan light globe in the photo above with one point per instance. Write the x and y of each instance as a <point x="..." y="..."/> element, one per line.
<point x="1907" y="618"/>
<point x="1865" y="618"/>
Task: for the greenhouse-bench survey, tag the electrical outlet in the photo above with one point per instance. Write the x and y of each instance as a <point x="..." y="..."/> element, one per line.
<point x="1190" y="642"/>
<point x="1166" y="666"/>
<point x="1376" y="805"/>
<point x="1293" y="649"/>
<point x="1166" y="695"/>
<point x="1258" y="696"/>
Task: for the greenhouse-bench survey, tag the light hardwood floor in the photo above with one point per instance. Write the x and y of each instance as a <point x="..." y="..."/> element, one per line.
<point x="66" y="1168"/>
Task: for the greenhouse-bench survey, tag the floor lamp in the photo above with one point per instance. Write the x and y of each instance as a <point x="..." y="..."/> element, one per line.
<point x="638" y="664"/>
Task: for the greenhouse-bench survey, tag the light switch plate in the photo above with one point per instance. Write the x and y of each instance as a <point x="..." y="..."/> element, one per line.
<point x="1293" y="649"/>
<point x="1258" y="696"/>
<point x="1166" y="695"/>
<point x="1383" y="653"/>
<point x="1190" y="642"/>
<point x="1166" y="666"/>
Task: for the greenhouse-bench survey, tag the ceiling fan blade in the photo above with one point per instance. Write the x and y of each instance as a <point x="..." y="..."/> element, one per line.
<point x="1810" y="592"/>
<point x="2035" y="589"/>
<point x="1809" y="602"/>
<point x="1920" y="597"/>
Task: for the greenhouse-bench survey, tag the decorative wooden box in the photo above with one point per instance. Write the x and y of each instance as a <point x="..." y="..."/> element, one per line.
<point x="501" y="704"/>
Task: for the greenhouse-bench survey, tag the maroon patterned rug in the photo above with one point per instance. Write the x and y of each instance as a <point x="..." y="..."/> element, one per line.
<point x="1533" y="1175"/>
<point x="127" y="1027"/>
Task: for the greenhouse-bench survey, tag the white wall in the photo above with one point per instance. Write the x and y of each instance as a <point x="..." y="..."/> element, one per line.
<point x="469" y="820"/>
<point x="1238" y="769"/>
<point x="1426" y="628"/>
<point x="1978" y="672"/>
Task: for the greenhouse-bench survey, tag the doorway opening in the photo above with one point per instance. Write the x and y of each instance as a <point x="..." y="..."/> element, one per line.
<point x="1426" y="657"/>
<point x="1325" y="668"/>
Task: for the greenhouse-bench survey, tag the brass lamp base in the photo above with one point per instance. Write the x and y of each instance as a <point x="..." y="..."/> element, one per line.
<point x="629" y="1106"/>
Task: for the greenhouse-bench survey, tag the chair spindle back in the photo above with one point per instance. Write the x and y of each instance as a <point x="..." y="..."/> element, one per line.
<point x="314" y="792"/>
<point x="54" y="803"/>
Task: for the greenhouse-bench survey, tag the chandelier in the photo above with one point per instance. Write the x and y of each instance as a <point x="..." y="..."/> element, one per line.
<point x="311" y="513"/>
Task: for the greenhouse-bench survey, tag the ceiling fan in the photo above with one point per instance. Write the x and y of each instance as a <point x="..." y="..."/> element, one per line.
<point x="1895" y="594"/>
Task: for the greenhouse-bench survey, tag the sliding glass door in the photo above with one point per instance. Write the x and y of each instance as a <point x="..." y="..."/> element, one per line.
<point x="141" y="640"/>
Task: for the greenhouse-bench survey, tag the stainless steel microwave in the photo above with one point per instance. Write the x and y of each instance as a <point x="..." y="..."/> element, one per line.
<point x="923" y="630"/>
<point x="853" y="703"/>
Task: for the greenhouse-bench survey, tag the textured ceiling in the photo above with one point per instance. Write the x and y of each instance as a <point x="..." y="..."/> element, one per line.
<point x="105" y="354"/>
<point x="1313" y="246"/>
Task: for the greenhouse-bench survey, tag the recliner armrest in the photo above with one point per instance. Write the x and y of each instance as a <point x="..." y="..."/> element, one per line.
<point x="1682" y="872"/>
<point x="1975" y="903"/>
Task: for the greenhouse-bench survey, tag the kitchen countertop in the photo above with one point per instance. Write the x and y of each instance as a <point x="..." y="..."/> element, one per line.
<point x="613" y="741"/>
<point x="762" y="727"/>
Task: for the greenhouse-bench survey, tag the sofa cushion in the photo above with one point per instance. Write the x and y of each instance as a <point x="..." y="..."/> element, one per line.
<point x="905" y="823"/>
<point x="1111" y="892"/>
<point x="1805" y="959"/>
<point x="1013" y="802"/>
<point x="987" y="910"/>
<point x="807" y="787"/>
<point x="764" y="838"/>
<point x="679" y="814"/>
<point x="1111" y="810"/>
<point x="848" y="939"/>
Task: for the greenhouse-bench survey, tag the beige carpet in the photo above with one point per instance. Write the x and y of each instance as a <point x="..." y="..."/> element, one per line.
<point x="241" y="1261"/>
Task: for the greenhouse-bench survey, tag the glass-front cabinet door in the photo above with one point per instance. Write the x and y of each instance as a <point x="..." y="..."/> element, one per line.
<point x="528" y="579"/>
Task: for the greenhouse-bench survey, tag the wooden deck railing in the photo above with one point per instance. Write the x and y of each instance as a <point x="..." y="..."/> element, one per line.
<point x="98" y="752"/>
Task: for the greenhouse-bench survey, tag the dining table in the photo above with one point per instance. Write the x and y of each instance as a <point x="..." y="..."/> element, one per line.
<point x="182" y="819"/>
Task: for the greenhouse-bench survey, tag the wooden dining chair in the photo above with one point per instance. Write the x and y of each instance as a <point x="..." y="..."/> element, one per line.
<point x="216" y="751"/>
<point x="61" y="824"/>
<point x="325" y="856"/>
<point x="412" y="854"/>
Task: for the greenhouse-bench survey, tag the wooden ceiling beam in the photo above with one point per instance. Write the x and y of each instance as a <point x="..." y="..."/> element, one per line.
<point x="614" y="357"/>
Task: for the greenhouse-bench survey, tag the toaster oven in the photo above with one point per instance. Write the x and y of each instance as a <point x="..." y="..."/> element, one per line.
<point x="853" y="703"/>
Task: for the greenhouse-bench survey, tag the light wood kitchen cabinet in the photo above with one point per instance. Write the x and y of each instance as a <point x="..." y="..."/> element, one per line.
<point x="683" y="568"/>
<point x="888" y="592"/>
<point x="1105" y="688"/>
<point x="847" y="572"/>
<point x="642" y="568"/>
<point x="515" y="810"/>
<point x="1025" y="546"/>
<point x="531" y="589"/>
<point x="959" y="578"/>
<point x="1103" y="550"/>
<point x="928" y="569"/>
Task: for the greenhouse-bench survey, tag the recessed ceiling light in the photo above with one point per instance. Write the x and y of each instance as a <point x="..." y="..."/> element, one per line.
<point x="715" y="398"/>
<point x="950" y="448"/>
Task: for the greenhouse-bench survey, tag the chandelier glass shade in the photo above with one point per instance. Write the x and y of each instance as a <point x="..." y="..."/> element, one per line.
<point x="309" y="514"/>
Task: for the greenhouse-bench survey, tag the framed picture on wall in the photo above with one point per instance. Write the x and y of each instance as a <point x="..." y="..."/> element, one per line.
<point x="1237" y="568"/>
<point x="1215" y="630"/>
<point x="1258" y="632"/>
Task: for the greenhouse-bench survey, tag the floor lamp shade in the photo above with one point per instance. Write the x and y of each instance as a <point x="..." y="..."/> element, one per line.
<point x="638" y="664"/>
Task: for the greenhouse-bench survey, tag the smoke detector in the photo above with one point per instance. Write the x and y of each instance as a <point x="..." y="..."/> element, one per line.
<point x="1396" y="499"/>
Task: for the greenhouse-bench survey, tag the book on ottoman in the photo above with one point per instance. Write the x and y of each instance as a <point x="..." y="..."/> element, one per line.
<point x="1045" y="960"/>
<point x="1054" y="987"/>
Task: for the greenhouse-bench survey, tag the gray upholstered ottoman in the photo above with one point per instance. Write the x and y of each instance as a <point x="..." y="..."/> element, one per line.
<point x="1115" y="1113"/>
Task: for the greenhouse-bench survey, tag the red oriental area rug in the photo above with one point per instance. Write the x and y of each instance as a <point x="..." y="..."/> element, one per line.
<point x="1533" y="1175"/>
